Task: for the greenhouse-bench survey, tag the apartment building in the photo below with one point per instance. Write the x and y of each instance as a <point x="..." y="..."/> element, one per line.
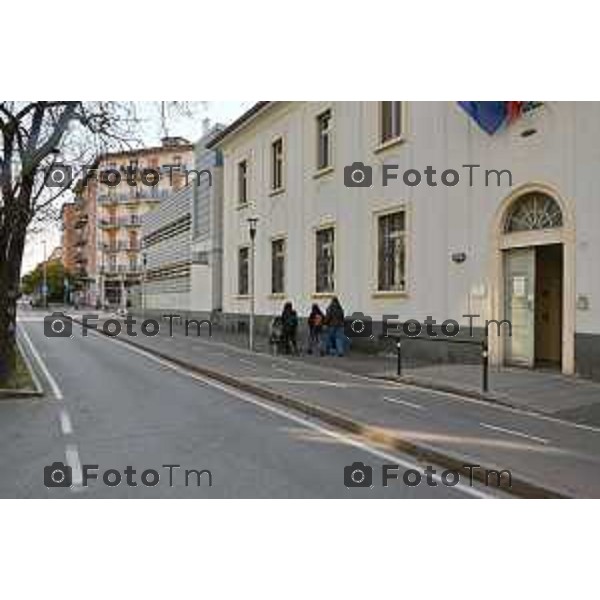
<point x="69" y="218"/>
<point x="79" y="241"/>
<point x="182" y="242"/>
<point x="516" y="237"/>
<point x="121" y="207"/>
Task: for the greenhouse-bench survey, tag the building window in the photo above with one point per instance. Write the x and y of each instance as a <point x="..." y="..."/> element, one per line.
<point x="243" y="182"/>
<point x="324" y="140"/>
<point x="278" y="266"/>
<point x="534" y="210"/>
<point x="244" y="271"/>
<point x="391" y="121"/>
<point x="325" y="264"/>
<point x="277" y="164"/>
<point x="391" y="253"/>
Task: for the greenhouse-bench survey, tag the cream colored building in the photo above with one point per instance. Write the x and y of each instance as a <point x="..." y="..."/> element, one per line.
<point x="523" y="247"/>
<point x="121" y="208"/>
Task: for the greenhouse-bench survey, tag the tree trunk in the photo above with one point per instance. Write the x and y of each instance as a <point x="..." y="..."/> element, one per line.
<point x="8" y="305"/>
<point x="9" y="290"/>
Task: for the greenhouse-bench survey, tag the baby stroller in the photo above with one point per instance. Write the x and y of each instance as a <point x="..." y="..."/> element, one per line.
<point x="276" y="338"/>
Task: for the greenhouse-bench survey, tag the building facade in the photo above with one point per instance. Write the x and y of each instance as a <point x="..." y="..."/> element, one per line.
<point x="502" y="226"/>
<point x="182" y="242"/>
<point x="121" y="207"/>
<point x="70" y="236"/>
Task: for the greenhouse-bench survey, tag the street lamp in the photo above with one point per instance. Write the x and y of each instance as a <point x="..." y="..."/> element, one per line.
<point x="252" y="222"/>
<point x="144" y="265"/>
<point x="44" y="279"/>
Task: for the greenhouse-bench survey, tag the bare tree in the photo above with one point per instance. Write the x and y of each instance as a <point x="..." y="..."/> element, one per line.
<point x="36" y="136"/>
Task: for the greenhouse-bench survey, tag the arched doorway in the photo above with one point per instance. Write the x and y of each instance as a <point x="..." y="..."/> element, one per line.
<point x="535" y="280"/>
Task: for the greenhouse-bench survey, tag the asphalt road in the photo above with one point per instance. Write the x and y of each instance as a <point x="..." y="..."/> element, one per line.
<point x="111" y="406"/>
<point x="557" y="455"/>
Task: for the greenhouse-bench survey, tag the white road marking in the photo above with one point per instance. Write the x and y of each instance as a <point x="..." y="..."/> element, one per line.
<point x="284" y="371"/>
<point x="404" y="402"/>
<point x="72" y="456"/>
<point x="247" y="362"/>
<point x="43" y="368"/>
<point x="65" y="422"/>
<point x="304" y="382"/>
<point x="218" y="354"/>
<point x="513" y="432"/>
<point x="343" y="438"/>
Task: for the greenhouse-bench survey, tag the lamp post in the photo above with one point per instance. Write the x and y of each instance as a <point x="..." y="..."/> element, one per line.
<point x="144" y="265"/>
<point x="44" y="278"/>
<point x="252" y="222"/>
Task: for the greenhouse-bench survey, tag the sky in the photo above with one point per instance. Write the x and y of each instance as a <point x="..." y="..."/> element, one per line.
<point x="217" y="111"/>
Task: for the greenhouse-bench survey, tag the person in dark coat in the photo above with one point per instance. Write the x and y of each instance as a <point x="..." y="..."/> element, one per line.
<point x="289" y="324"/>
<point x="334" y="319"/>
<point x="315" y="329"/>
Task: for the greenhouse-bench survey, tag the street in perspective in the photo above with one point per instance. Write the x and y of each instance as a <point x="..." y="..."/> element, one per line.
<point x="224" y="313"/>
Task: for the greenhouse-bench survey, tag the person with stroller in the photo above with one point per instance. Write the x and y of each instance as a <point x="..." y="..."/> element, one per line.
<point x="315" y="330"/>
<point x="289" y="326"/>
<point x="334" y="319"/>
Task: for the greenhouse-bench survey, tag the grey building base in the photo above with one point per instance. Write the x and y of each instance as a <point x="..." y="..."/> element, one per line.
<point x="587" y="355"/>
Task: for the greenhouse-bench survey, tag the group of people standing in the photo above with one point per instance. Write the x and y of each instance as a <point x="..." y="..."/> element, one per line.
<point x="325" y="330"/>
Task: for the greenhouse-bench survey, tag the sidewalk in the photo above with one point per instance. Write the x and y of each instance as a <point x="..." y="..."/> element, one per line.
<point x="570" y="398"/>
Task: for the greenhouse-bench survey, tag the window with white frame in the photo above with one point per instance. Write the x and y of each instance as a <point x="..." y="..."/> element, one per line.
<point x="244" y="271"/>
<point x="391" y="257"/>
<point x="242" y="182"/>
<point x="277" y="164"/>
<point x="278" y="266"/>
<point x="325" y="260"/>
<point x="390" y="127"/>
<point x="324" y="125"/>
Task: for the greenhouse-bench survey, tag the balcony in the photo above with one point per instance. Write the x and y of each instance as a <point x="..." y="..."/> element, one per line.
<point x="109" y="223"/>
<point x="81" y="222"/>
<point x="107" y="199"/>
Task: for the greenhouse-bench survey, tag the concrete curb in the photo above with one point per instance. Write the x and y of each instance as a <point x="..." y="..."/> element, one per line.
<point x="520" y="487"/>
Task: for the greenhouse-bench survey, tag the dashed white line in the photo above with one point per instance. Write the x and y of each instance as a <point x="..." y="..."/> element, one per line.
<point x="65" y="422"/>
<point x="247" y="362"/>
<point x="513" y="432"/>
<point x="72" y="456"/>
<point x="301" y="382"/>
<point x="404" y="403"/>
<point x="43" y="368"/>
<point x="284" y="371"/>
